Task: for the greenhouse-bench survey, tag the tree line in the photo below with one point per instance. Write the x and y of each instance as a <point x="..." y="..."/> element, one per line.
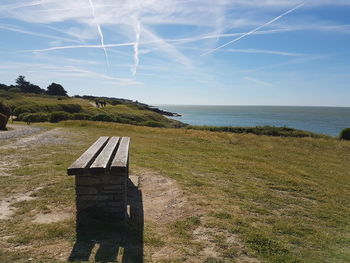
<point x="22" y="85"/>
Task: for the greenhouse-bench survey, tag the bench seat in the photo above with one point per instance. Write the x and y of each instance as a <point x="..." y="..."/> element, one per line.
<point x="101" y="174"/>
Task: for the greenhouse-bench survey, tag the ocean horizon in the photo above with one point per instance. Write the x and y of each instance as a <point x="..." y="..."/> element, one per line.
<point x="318" y="119"/>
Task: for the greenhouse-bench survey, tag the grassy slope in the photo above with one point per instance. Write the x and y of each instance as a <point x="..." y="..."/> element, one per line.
<point x="283" y="199"/>
<point x="126" y="111"/>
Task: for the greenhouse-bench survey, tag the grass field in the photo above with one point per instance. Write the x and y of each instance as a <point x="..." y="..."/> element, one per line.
<point x="249" y="198"/>
<point x="126" y="112"/>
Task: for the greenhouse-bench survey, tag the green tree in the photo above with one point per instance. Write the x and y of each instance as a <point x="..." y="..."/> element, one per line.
<point x="21" y="82"/>
<point x="56" y="89"/>
<point x="4" y="86"/>
<point x="26" y="86"/>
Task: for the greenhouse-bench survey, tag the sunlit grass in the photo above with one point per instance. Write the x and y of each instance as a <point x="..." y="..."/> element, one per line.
<point x="284" y="199"/>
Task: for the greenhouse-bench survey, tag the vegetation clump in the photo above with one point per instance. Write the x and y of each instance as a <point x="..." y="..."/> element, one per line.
<point x="81" y="116"/>
<point x="46" y="108"/>
<point x="5" y="113"/>
<point x="34" y="117"/>
<point x="103" y="117"/>
<point x="3" y="122"/>
<point x="345" y="134"/>
<point x="260" y="130"/>
<point x="60" y="116"/>
<point x="56" y="89"/>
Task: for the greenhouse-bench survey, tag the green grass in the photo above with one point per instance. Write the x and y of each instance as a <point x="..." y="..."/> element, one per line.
<point x="261" y="130"/>
<point x="281" y="199"/>
<point x="127" y="112"/>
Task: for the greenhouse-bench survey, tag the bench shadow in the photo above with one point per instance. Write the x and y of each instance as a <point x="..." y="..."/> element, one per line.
<point x="115" y="240"/>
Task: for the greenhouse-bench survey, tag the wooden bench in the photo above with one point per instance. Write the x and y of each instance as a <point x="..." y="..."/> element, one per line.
<point x="101" y="174"/>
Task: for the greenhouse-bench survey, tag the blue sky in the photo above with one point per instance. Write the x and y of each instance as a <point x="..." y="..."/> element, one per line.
<point x="223" y="52"/>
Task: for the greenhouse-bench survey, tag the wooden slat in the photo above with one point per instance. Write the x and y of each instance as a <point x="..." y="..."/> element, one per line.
<point x="79" y="166"/>
<point x="104" y="158"/>
<point x="120" y="161"/>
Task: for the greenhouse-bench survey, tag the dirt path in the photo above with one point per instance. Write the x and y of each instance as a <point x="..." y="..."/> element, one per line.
<point x="17" y="144"/>
<point x="17" y="131"/>
<point x="163" y="200"/>
<point x="54" y="136"/>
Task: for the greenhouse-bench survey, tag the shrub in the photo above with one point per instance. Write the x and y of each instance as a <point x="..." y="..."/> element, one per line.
<point x="103" y="117"/>
<point x="81" y="116"/>
<point x="33" y="108"/>
<point x="3" y="121"/>
<point x="345" y="134"/>
<point x="60" y="116"/>
<point x="260" y="130"/>
<point x="116" y="102"/>
<point x="70" y="108"/>
<point x="34" y="117"/>
<point x="5" y="109"/>
<point x="15" y="90"/>
<point x="21" y="116"/>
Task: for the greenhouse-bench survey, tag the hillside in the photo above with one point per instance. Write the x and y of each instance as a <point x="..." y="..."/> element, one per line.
<point x="39" y="108"/>
<point x="207" y="196"/>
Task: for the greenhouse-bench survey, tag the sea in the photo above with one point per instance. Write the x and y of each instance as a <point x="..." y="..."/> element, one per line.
<point x="323" y="120"/>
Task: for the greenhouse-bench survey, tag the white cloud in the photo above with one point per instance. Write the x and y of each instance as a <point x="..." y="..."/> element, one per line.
<point x="142" y="24"/>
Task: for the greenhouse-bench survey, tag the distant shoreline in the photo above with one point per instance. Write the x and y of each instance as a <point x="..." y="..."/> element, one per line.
<point x="320" y="120"/>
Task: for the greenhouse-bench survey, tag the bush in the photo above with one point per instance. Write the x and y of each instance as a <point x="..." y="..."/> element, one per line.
<point x="21" y="116"/>
<point x="116" y="102"/>
<point x="81" y="116"/>
<point x="4" y="109"/>
<point x="60" y="116"/>
<point x="103" y="117"/>
<point x="15" y="90"/>
<point x="70" y="108"/>
<point x="34" y="117"/>
<point x="33" y="108"/>
<point x="3" y="121"/>
<point x="345" y="134"/>
<point x="260" y="130"/>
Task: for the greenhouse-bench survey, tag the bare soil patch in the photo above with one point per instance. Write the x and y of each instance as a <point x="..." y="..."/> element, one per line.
<point x="209" y="237"/>
<point x="163" y="200"/>
<point x="54" y="136"/>
<point x="6" y="208"/>
<point x="52" y="217"/>
<point x="18" y="131"/>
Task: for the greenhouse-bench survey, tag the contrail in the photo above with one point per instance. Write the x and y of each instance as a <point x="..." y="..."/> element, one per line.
<point x="99" y="31"/>
<point x="136" y="48"/>
<point x="256" y="29"/>
<point x="83" y="46"/>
